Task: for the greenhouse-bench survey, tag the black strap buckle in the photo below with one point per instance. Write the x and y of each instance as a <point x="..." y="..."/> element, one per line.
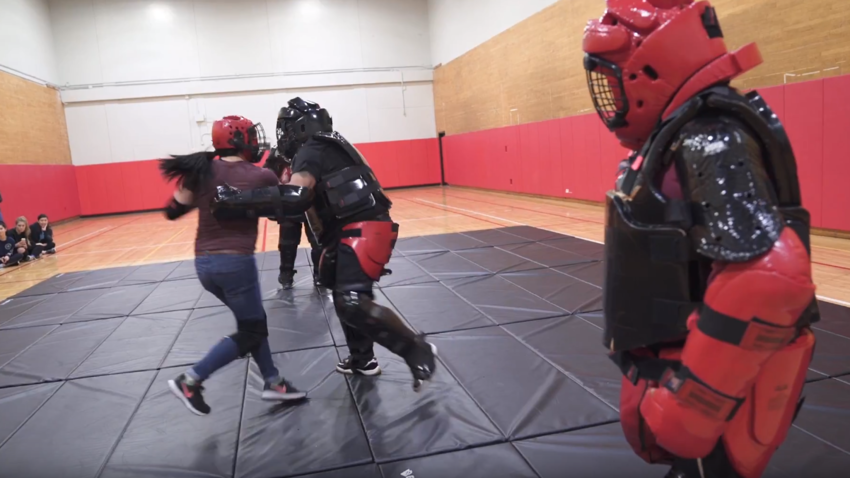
<point x="755" y="334"/>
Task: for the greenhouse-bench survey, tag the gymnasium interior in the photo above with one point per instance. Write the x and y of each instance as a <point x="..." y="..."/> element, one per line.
<point x="476" y="118"/>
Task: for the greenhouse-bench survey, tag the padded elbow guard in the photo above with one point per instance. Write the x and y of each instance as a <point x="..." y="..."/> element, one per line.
<point x="174" y="210"/>
<point x="277" y="201"/>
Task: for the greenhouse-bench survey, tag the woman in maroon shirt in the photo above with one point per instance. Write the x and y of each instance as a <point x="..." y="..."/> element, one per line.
<point x="224" y="254"/>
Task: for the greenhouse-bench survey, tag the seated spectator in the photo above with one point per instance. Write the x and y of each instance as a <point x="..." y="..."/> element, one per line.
<point x="21" y="235"/>
<point x="9" y="255"/>
<point x="41" y="237"/>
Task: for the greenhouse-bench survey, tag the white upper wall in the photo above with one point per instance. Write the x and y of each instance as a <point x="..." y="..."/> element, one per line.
<point x="457" y="26"/>
<point x="118" y="131"/>
<point x="146" y="78"/>
<point x="114" y="41"/>
<point x="26" y="40"/>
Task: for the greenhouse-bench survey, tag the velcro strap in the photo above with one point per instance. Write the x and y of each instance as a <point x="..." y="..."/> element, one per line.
<point x="695" y="393"/>
<point x="753" y="335"/>
<point x="636" y="368"/>
<point x="350" y="233"/>
<point x="344" y="176"/>
<point x="677" y="211"/>
<point x="358" y="195"/>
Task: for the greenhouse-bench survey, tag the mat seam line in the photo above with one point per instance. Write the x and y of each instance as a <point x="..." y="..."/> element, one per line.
<point x="124" y="429"/>
<point x="94" y="349"/>
<point x="156" y="369"/>
<point x="449" y="370"/>
<point x="842" y="450"/>
<point x="2" y="443"/>
<point x="241" y="417"/>
<point x="347" y="383"/>
<point x="568" y="375"/>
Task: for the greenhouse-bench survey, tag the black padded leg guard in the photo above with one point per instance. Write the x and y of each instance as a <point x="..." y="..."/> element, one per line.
<point x="290" y="237"/>
<point x="358" y="310"/>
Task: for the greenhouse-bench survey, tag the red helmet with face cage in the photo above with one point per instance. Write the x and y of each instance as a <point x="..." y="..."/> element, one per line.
<point x="241" y="134"/>
<point x="644" y="58"/>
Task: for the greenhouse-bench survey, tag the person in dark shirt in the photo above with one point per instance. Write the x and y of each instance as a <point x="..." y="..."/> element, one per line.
<point x="290" y="229"/>
<point x="224" y="254"/>
<point x="358" y="235"/>
<point x="9" y="255"/>
<point x="41" y="237"/>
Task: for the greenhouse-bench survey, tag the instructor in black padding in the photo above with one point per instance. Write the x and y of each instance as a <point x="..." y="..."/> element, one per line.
<point x="358" y="234"/>
<point x="290" y="228"/>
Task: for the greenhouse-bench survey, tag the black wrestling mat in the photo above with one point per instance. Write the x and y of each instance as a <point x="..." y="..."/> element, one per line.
<point x="524" y="387"/>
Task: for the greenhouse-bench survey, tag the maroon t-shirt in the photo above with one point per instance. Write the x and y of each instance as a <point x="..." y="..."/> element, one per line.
<point x="237" y="235"/>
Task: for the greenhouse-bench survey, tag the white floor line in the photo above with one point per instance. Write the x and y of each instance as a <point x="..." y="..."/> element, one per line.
<point x="834" y="301"/>
<point x="65" y="244"/>
<point x="422" y="218"/>
<point x="470" y="211"/>
<point x="503" y="219"/>
<point x="821" y="297"/>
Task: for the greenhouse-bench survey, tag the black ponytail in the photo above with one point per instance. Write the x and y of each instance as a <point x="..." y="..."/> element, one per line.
<point x="192" y="171"/>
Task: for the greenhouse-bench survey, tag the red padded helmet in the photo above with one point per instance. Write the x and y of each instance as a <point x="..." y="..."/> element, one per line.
<point x="644" y="58"/>
<point x="241" y="134"/>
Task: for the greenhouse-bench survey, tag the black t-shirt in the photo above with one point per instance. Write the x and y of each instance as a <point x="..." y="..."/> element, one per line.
<point x="7" y="246"/>
<point x="320" y="159"/>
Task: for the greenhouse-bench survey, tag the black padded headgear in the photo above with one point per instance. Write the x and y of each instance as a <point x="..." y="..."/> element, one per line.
<point x="299" y="121"/>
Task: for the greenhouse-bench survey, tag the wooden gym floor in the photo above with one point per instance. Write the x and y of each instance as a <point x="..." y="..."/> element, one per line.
<point x="146" y="238"/>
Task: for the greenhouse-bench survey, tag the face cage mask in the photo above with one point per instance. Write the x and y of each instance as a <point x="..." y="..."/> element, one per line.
<point x="287" y="144"/>
<point x="605" y="82"/>
<point x="256" y="144"/>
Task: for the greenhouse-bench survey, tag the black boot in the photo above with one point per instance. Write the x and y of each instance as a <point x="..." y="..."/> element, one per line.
<point x="422" y="360"/>
<point x="286" y="279"/>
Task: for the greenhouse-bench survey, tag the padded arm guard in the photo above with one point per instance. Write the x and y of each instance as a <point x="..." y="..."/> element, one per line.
<point x="751" y="311"/>
<point x="175" y="210"/>
<point x="276" y="201"/>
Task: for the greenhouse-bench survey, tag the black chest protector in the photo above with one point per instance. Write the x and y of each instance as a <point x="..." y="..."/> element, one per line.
<point x="654" y="276"/>
<point x="349" y="191"/>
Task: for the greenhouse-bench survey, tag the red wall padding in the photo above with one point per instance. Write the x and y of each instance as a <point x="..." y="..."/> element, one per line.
<point x="577" y="157"/>
<point x="836" y="160"/>
<point x="138" y="186"/>
<point x="29" y="190"/>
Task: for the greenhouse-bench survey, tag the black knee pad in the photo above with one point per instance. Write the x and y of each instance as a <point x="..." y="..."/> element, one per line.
<point x="353" y="308"/>
<point x="249" y="335"/>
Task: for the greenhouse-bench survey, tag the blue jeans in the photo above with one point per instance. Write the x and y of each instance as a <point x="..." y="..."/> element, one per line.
<point x="235" y="281"/>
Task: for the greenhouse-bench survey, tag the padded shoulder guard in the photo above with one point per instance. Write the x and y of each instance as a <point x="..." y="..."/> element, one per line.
<point x="339" y="140"/>
<point x="275" y="201"/>
<point x="734" y="210"/>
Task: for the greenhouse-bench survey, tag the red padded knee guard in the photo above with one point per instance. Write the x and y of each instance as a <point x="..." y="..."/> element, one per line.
<point x="636" y="431"/>
<point x="373" y="243"/>
<point x="750" y="315"/>
<point x="762" y="423"/>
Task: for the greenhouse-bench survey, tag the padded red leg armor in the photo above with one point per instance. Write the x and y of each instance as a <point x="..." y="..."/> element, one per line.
<point x="373" y="242"/>
<point x="743" y="365"/>
<point x="762" y="423"/>
<point x="638" y="435"/>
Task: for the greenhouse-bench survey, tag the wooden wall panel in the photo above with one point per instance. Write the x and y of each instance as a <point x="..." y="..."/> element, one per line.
<point x="32" y="123"/>
<point x="533" y="71"/>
